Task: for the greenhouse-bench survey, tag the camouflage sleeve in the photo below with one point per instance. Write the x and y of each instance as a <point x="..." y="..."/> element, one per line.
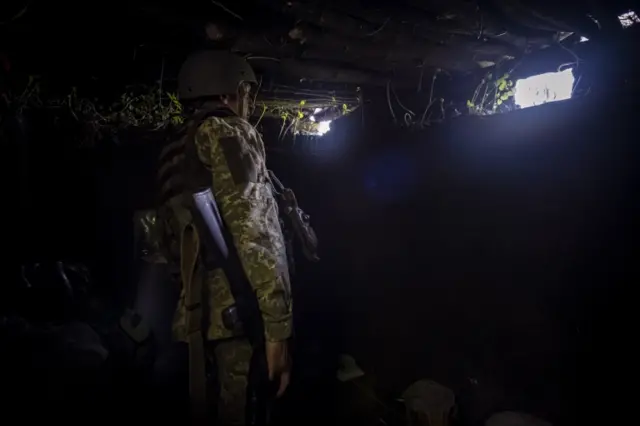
<point x="237" y="161"/>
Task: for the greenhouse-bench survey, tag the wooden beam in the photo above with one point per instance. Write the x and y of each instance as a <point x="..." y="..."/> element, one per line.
<point x="323" y="71"/>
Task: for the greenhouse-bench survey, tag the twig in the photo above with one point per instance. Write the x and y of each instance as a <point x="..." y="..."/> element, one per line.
<point x="284" y="123"/>
<point x="264" y="109"/>
<point x="575" y="85"/>
<point x="249" y="58"/>
<point x="481" y="30"/>
<point x="71" y="108"/>
<point x="226" y="9"/>
<point x="433" y="83"/>
<point x="477" y="91"/>
<point x="400" y="103"/>
<point x="484" y="96"/>
<point x="384" y="24"/>
<point x="393" y="114"/>
<point x="431" y="100"/>
<point x="424" y="114"/>
<point x="26" y="94"/>
<point x="293" y="121"/>
<point x="18" y="15"/>
<point x="578" y="60"/>
<point x="568" y="64"/>
<point x="161" y="79"/>
<point x="407" y="119"/>
<point x="256" y="96"/>
<point x="421" y="77"/>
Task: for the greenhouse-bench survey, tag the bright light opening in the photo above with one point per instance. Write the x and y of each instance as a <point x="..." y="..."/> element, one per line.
<point x="583" y="39"/>
<point x="542" y="88"/>
<point x="323" y="127"/>
<point x="628" y="19"/>
<point x="312" y="118"/>
<point x="317" y="110"/>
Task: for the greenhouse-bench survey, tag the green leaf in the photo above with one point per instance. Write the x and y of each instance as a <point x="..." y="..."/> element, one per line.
<point x="499" y="101"/>
<point x="303" y="102"/>
<point x="504" y="97"/>
<point x="502" y="86"/>
<point x="469" y="104"/>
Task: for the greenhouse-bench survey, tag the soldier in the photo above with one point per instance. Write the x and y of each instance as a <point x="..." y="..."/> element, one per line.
<point x="215" y="89"/>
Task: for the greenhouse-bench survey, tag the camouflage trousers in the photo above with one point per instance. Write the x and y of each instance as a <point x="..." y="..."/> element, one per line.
<point x="232" y="359"/>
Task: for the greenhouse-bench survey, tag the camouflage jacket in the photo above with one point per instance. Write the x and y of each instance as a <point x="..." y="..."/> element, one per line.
<point x="233" y="151"/>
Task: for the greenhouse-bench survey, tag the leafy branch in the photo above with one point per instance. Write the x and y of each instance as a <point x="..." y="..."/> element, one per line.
<point x="502" y="89"/>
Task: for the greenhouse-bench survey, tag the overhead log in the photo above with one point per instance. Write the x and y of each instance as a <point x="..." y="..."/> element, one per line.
<point x="328" y="55"/>
<point x="462" y="21"/>
<point x="453" y="35"/>
<point x="457" y="56"/>
<point x="265" y="45"/>
<point x="330" y="19"/>
<point x="435" y="21"/>
<point x="336" y="73"/>
<point x="412" y="34"/>
<point x="342" y="33"/>
<point x="528" y="16"/>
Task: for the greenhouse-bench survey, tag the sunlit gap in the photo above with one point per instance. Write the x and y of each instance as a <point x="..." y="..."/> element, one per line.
<point x="628" y="19"/>
<point x="542" y="88"/>
<point x="322" y="128"/>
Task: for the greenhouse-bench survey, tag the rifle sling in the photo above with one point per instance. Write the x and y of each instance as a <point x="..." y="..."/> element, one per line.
<point x="192" y="279"/>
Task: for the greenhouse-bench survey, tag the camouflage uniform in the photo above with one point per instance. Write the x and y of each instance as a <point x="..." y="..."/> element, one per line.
<point x="233" y="151"/>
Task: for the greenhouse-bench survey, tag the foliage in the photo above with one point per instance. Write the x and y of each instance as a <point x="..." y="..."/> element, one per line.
<point x="139" y="106"/>
<point x="152" y="109"/>
<point x="502" y="91"/>
<point x="144" y="106"/>
<point x="301" y="110"/>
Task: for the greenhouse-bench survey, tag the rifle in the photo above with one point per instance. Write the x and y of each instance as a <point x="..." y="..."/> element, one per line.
<point x="220" y="252"/>
<point x="299" y="221"/>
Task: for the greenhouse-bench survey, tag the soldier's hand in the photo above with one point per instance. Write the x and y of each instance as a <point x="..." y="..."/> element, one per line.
<point x="279" y="363"/>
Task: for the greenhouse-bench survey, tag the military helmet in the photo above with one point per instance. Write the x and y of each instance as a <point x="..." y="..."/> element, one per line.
<point x="213" y="73"/>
